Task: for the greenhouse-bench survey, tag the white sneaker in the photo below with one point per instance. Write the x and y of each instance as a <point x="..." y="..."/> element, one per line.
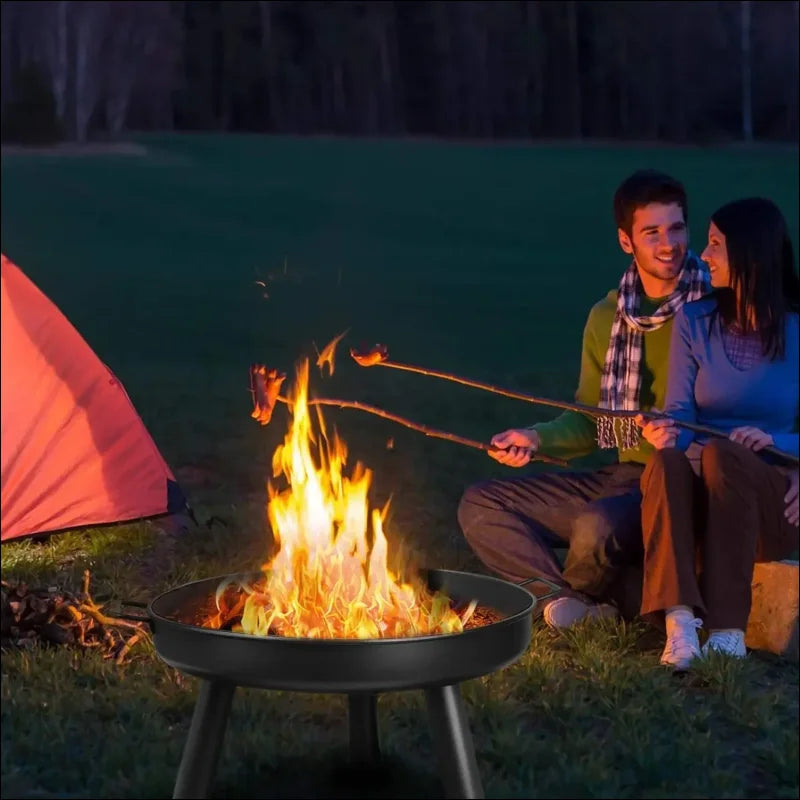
<point x="566" y="611"/>
<point x="683" y="644"/>
<point x="730" y="642"/>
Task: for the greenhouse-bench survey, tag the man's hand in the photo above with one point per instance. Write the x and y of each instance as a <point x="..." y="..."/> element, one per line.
<point x="514" y="447"/>
<point x="791" y="512"/>
<point x="754" y="438"/>
<point x="661" y="433"/>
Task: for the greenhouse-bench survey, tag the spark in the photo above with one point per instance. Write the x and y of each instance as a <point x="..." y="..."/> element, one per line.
<point x="328" y="353"/>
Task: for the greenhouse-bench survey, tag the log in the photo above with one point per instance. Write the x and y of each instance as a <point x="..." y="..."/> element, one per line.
<point x="772" y="625"/>
<point x="57" y="634"/>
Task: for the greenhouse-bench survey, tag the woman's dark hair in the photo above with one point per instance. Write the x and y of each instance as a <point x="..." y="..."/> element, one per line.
<point x="762" y="269"/>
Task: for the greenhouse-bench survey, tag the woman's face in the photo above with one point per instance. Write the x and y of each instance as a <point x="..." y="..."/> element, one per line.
<point x="716" y="256"/>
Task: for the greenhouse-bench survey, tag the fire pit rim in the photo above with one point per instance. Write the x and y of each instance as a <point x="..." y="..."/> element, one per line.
<point x="331" y="641"/>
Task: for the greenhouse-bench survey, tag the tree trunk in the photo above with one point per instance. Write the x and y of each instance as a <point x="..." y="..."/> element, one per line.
<point x="681" y="99"/>
<point x="117" y="109"/>
<point x="445" y="119"/>
<point x="537" y="68"/>
<point x="398" y="94"/>
<point x="622" y="82"/>
<point x="372" y="91"/>
<point x="385" y="91"/>
<point x="574" y="88"/>
<point x="223" y="13"/>
<point x="794" y="85"/>
<point x="61" y="60"/>
<point x="276" y="113"/>
<point x="485" y="116"/>
<point x="9" y="61"/>
<point x="747" y="71"/>
<point x="85" y="82"/>
<point x="339" y="110"/>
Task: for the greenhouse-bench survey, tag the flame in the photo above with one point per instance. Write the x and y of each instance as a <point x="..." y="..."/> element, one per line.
<point x="328" y="353"/>
<point x="326" y="580"/>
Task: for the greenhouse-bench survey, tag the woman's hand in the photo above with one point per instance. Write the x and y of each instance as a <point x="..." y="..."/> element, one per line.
<point x="661" y="433"/>
<point x="792" y="513"/>
<point x="754" y="438"/>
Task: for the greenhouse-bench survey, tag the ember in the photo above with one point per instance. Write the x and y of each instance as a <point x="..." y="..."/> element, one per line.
<point x="330" y="577"/>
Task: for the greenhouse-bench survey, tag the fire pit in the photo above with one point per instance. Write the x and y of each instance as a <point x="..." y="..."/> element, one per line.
<point x="360" y="668"/>
<point x="330" y="613"/>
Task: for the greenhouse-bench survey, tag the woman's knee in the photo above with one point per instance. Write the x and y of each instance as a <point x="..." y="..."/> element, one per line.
<point x="719" y="457"/>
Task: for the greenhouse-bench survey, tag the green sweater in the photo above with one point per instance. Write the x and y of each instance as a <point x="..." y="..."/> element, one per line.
<point x="573" y="434"/>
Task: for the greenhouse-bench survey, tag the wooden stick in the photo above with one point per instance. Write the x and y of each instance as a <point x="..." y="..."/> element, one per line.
<point x="432" y="432"/>
<point x="567" y="406"/>
<point x="126" y="648"/>
<point x="102" y="619"/>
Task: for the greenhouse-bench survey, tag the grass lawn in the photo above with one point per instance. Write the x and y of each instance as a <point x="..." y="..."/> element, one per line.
<point x="470" y="258"/>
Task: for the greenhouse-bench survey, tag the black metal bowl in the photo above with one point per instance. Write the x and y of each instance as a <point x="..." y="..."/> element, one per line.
<point x="347" y="665"/>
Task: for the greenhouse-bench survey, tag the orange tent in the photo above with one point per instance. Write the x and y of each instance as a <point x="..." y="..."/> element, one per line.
<point x="74" y="450"/>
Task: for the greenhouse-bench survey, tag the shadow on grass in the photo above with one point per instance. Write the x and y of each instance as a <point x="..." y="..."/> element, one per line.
<point x="330" y="776"/>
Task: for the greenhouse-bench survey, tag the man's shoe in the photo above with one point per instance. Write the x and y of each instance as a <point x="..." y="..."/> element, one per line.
<point x="564" y="612"/>
<point x="730" y="642"/>
<point x="683" y="644"/>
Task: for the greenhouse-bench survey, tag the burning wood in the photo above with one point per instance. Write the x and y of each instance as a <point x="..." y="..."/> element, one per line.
<point x="225" y="610"/>
<point x="59" y="617"/>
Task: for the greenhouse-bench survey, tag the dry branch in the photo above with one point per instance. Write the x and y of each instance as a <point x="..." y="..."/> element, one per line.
<point x="60" y="617"/>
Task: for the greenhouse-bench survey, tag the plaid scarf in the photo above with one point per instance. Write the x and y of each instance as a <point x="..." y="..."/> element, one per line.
<point x="622" y="378"/>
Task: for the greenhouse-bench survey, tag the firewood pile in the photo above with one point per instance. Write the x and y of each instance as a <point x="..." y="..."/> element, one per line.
<point x="58" y="617"/>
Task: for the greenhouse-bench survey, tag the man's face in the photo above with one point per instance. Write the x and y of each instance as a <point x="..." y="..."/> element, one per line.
<point x="659" y="240"/>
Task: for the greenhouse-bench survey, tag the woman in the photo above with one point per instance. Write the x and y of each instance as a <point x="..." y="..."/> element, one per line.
<point x="712" y="507"/>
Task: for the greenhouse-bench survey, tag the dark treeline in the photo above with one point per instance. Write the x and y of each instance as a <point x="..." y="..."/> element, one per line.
<point x="679" y="71"/>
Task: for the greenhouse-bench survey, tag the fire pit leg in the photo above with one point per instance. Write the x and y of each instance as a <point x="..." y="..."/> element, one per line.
<point x="453" y="742"/>
<point x="203" y="745"/>
<point x="364" y="739"/>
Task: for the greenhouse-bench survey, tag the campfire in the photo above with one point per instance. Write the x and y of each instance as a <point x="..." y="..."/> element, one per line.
<point x="330" y="576"/>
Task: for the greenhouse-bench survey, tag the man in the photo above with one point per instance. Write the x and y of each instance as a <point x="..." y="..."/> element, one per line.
<point x="514" y="524"/>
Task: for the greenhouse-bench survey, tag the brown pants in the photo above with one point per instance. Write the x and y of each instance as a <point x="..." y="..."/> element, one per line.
<point x="702" y="535"/>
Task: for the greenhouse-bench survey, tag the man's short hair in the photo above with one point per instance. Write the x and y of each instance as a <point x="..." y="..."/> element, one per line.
<point x="642" y="188"/>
